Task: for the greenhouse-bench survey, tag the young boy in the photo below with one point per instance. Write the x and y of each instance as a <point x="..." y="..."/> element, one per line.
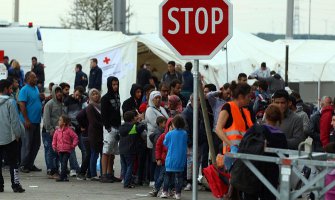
<point x="130" y="133"/>
<point x="176" y="143"/>
<point x="160" y="121"/>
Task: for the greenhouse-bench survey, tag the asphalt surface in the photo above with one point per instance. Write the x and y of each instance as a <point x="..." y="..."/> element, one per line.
<point x="38" y="186"/>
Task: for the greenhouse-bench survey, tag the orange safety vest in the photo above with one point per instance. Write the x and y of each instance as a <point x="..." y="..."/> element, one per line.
<point x="238" y="128"/>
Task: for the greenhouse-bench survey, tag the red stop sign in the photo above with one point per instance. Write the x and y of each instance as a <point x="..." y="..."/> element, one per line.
<point x="196" y="29"/>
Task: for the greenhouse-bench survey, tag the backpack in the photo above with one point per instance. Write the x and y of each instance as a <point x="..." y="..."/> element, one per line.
<point x="242" y="178"/>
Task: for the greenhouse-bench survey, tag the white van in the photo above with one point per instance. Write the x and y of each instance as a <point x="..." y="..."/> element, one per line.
<point x="21" y="43"/>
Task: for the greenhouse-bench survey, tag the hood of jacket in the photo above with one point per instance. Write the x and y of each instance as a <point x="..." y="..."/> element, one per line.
<point x="277" y="76"/>
<point x="133" y="89"/>
<point x="53" y="92"/>
<point x="153" y="94"/>
<point x="3" y="99"/>
<point x="109" y="84"/>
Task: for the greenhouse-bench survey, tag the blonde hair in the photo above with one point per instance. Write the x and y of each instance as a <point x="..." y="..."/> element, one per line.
<point x="15" y="64"/>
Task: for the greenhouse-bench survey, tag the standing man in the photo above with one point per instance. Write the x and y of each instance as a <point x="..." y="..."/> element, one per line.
<point x="175" y="89"/>
<point x="95" y="79"/>
<point x="38" y="69"/>
<point x="81" y="78"/>
<point x="11" y="131"/>
<point x="291" y="124"/>
<point x="6" y="62"/>
<point x="187" y="88"/>
<point x="111" y="119"/>
<point x="53" y="109"/>
<point x="172" y="74"/>
<point x="31" y="110"/>
<point x="144" y="75"/>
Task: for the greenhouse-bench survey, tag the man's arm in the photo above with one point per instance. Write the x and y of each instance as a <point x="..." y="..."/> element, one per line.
<point x="211" y="97"/>
<point x="297" y="135"/>
<point x="47" y="120"/>
<point x="325" y="126"/>
<point x="24" y="113"/>
<point x="16" y="125"/>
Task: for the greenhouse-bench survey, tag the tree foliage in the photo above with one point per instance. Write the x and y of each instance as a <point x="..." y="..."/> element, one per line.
<point x="90" y="15"/>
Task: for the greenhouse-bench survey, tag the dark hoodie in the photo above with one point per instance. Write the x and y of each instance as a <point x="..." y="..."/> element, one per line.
<point x="132" y="103"/>
<point x="130" y="136"/>
<point x="110" y="106"/>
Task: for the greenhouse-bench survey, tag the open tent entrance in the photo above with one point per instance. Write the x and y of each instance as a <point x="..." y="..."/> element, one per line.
<point x="145" y="55"/>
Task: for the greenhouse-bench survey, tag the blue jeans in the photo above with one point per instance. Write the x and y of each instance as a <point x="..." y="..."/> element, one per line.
<point x="127" y="164"/>
<point x="160" y="179"/>
<point x="93" y="162"/>
<point x="73" y="161"/>
<point x="50" y="156"/>
<point x="179" y="178"/>
<point x="64" y="158"/>
<point x="31" y="142"/>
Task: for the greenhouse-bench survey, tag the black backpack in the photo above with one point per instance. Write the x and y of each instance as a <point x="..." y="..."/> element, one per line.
<point x="242" y="178"/>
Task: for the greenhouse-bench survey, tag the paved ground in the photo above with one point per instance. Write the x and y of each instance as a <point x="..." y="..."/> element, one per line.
<point x="39" y="187"/>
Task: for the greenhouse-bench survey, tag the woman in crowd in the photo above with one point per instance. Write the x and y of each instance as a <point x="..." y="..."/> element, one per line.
<point x="234" y="119"/>
<point x="95" y="130"/>
<point x="153" y="111"/>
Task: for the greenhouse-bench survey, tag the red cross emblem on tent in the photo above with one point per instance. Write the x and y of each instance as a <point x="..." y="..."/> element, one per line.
<point x="106" y="60"/>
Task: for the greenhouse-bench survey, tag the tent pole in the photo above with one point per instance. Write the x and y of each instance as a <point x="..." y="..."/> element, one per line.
<point x="195" y="130"/>
<point x="319" y="94"/>
<point x="286" y="65"/>
<point x="226" y="48"/>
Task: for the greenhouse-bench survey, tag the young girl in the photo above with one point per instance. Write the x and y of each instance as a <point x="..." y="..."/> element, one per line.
<point x="64" y="142"/>
<point x="176" y="144"/>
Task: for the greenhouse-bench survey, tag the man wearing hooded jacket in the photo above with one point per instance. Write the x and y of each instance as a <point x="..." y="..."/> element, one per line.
<point x="111" y="119"/>
<point x="135" y="99"/>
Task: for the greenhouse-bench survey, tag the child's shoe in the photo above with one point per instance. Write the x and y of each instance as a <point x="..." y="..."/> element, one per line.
<point x="177" y="196"/>
<point x="153" y="193"/>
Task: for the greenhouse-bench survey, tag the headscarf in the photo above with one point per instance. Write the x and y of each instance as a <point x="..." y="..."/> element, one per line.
<point x="95" y="104"/>
<point x="175" y="102"/>
<point x="153" y="95"/>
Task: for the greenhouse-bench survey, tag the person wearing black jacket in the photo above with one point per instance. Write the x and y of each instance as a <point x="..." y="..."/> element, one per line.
<point x="135" y="99"/>
<point x="81" y="77"/>
<point x="130" y="134"/>
<point x="38" y="69"/>
<point x="95" y="79"/>
<point x="111" y="119"/>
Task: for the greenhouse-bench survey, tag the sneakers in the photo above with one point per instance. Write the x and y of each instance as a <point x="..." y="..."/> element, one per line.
<point x="24" y="169"/>
<point x="188" y="187"/>
<point x="164" y="195"/>
<point x="177" y="196"/>
<point x="129" y="186"/>
<point x="105" y="179"/>
<point x="81" y="177"/>
<point x="17" y="188"/>
<point x="115" y="179"/>
<point x="73" y="173"/>
<point x="95" y="178"/>
<point x="152" y="184"/>
<point x="54" y="176"/>
<point x="35" y="169"/>
<point x="153" y="193"/>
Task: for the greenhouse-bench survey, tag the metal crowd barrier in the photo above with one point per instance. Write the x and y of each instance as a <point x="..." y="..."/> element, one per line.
<point x="288" y="161"/>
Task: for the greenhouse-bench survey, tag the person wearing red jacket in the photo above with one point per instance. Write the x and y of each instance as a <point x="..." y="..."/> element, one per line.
<point x="161" y="152"/>
<point x="325" y="124"/>
<point x="64" y="142"/>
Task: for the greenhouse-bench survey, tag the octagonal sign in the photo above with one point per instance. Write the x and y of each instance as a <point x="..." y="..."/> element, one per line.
<point x="196" y="29"/>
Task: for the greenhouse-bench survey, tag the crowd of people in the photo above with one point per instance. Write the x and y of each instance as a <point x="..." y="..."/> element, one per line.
<point x="155" y="140"/>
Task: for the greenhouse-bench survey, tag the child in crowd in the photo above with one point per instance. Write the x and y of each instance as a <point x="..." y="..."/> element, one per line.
<point x="64" y="142"/>
<point x="176" y="144"/>
<point x="160" y="121"/>
<point x="130" y="133"/>
<point x="160" y="154"/>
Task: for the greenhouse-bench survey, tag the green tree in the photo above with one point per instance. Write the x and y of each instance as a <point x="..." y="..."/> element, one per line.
<point x="90" y="15"/>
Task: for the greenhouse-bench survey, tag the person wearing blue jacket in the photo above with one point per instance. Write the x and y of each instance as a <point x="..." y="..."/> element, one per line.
<point x="176" y="143"/>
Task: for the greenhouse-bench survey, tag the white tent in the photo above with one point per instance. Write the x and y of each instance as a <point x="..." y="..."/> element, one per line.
<point x="64" y="48"/>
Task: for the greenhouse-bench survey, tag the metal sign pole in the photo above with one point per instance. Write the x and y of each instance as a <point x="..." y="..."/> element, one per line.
<point x="195" y="130"/>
